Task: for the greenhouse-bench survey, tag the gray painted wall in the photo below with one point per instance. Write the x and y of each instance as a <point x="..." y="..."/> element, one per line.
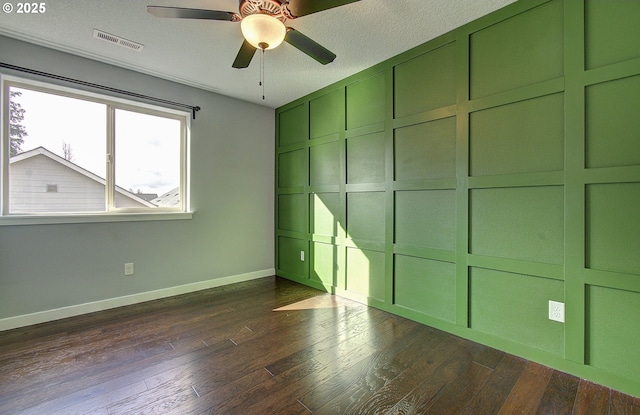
<point x="45" y="267"/>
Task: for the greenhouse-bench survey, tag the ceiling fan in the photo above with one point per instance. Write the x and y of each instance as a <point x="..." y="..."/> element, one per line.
<point x="262" y="23"/>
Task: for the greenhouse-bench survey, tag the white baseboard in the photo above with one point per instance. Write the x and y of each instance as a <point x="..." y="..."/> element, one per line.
<point x="75" y="310"/>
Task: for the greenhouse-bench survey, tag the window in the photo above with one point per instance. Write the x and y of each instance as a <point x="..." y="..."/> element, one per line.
<point x="69" y="152"/>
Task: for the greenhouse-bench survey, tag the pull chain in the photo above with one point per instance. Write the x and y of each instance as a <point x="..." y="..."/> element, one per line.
<point x="263" y="46"/>
<point x="262" y="72"/>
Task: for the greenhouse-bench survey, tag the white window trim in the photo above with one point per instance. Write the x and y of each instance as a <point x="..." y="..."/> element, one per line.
<point x="112" y="214"/>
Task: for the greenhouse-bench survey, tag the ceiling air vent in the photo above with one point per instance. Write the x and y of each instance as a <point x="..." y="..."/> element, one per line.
<point x="117" y="40"/>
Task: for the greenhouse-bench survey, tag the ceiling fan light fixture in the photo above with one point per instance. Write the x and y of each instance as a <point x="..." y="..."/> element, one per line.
<point x="263" y="31"/>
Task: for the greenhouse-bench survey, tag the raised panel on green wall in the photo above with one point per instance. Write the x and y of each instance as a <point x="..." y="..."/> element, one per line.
<point x="365" y="273"/>
<point x="366" y="159"/>
<point x="523" y="50"/>
<point x="326" y="114"/>
<point x="366" y="101"/>
<point x="426" y="151"/>
<point x="516" y="307"/>
<point x="292" y="170"/>
<point x="524" y="137"/>
<point x="609" y="28"/>
<point x="365" y="216"/>
<point x="613" y="227"/>
<point x="289" y="256"/>
<point x="524" y="223"/>
<point x="324" y="265"/>
<point x="426" y="218"/>
<point x="325" y="208"/>
<point x="293" y="126"/>
<point x="612" y="331"/>
<point x="324" y="164"/>
<point x="613" y="123"/>
<point x="426" y="286"/>
<point x="292" y="213"/>
<point x="426" y="82"/>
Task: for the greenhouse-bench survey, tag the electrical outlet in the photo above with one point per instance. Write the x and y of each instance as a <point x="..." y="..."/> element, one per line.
<point x="302" y="256"/>
<point x="556" y="311"/>
<point x="128" y="268"/>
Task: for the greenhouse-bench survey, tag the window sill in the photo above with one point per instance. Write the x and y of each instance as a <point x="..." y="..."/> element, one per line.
<point x="91" y="218"/>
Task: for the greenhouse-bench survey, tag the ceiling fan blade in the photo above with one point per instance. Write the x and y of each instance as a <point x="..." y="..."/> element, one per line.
<point x="244" y="55"/>
<point x="182" y="13"/>
<point x="299" y="8"/>
<point x="309" y="46"/>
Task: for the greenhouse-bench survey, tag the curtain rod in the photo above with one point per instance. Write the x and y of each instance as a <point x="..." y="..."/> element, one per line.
<point x="193" y="108"/>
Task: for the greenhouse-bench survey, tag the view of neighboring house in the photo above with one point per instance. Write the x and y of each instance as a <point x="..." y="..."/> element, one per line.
<point x="42" y="181"/>
<point x="169" y="199"/>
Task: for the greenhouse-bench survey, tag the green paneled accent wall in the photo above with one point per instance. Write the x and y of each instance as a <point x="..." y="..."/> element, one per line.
<point x="610" y="25"/>
<point x="366" y="216"/>
<point x="292" y="215"/>
<point x="426" y="150"/>
<point x="522" y="50"/>
<point x="324" y="164"/>
<point x="366" y="102"/>
<point x="426" y="218"/>
<point x="324" y="208"/>
<point x="324" y="262"/>
<point x="613" y="123"/>
<point x="524" y="223"/>
<point x="365" y="273"/>
<point x="326" y="114"/>
<point x="421" y="84"/>
<point x="366" y="159"/>
<point x="497" y="294"/>
<point x="426" y="286"/>
<point x="469" y="181"/>
<point x="292" y="170"/>
<point x="613" y="337"/>
<point x="613" y="226"/>
<point x="296" y="119"/>
<point x="289" y="257"/>
<point x="523" y="137"/>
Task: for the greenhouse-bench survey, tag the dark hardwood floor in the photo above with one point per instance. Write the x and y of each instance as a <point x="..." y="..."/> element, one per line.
<point x="271" y="346"/>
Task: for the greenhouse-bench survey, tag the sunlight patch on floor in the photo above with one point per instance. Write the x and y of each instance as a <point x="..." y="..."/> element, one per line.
<point x="314" y="303"/>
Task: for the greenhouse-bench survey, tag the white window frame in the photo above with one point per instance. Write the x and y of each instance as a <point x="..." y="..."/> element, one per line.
<point x="111" y="213"/>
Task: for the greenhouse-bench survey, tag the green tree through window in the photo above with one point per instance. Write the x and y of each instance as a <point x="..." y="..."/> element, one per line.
<point x="17" y="131"/>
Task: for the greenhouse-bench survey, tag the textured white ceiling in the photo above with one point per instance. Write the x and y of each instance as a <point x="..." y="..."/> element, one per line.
<point x="200" y="53"/>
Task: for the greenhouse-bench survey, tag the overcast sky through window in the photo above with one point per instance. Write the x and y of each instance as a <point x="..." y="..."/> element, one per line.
<point x="147" y="147"/>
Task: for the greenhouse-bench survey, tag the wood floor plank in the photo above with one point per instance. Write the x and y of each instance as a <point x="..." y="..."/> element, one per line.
<point x="560" y="394"/>
<point x="217" y="394"/>
<point x="390" y="394"/>
<point x="293" y="344"/>
<point x="528" y="391"/>
<point x="50" y="386"/>
<point x="95" y="382"/>
<point x="456" y="396"/>
<point x="270" y="395"/>
<point x="343" y="369"/>
<point x="288" y="384"/>
<point x="288" y="391"/>
<point x="277" y="386"/>
<point x="389" y="363"/>
<point x="489" y="357"/>
<point x="99" y="403"/>
<point x="450" y="385"/>
<point x="156" y="401"/>
<point x="622" y="404"/>
<point x="591" y="399"/>
<point x="272" y="346"/>
<point x="491" y="397"/>
<point x="365" y="331"/>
